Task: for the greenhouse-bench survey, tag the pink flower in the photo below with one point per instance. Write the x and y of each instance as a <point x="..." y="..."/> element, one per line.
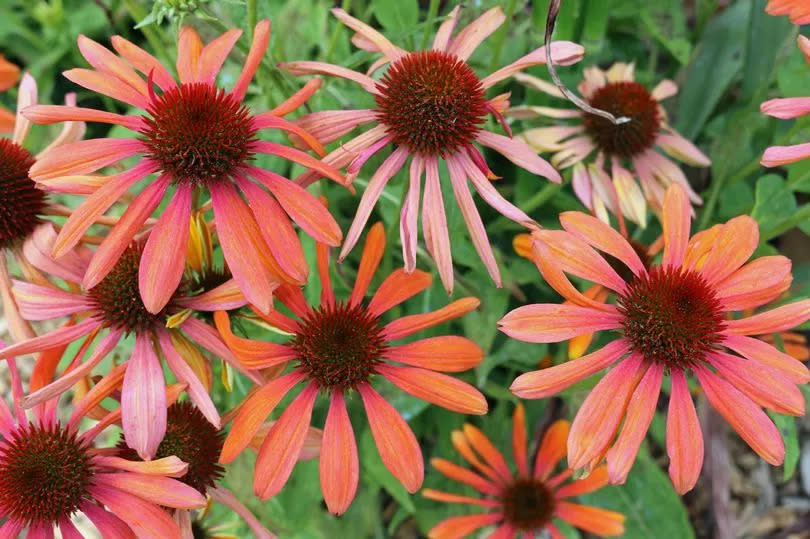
<point x="430" y="105"/>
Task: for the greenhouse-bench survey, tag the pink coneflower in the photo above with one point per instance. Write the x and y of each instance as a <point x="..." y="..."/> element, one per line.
<point x="50" y="471"/>
<point x="525" y="502"/>
<point x="798" y="10"/>
<point x="339" y="347"/>
<point x="114" y="306"/>
<point x="673" y="319"/>
<point x="198" y="138"/>
<point x="623" y="154"/>
<point x="22" y="204"/>
<point x="787" y="108"/>
<point x="431" y="105"/>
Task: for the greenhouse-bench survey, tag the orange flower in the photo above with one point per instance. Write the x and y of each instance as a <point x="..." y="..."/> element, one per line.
<point x="672" y="318"/>
<point x="339" y="347"/>
<point x="9" y="75"/>
<point x="524" y="502"/>
<point x="798" y="10"/>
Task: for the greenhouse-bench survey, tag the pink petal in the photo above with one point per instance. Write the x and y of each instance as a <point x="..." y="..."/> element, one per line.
<point x="786" y="108"/>
<point x="339" y="464"/>
<point x="736" y="242"/>
<point x="603" y="237"/>
<point x="410" y="211"/>
<point x="225" y="297"/>
<point x="551" y="322"/>
<point x="143" y="62"/>
<point x="107" y="523"/>
<point x="434" y="224"/>
<point x="684" y="438"/>
<point x="146" y="519"/>
<point x="562" y="53"/>
<point x="226" y="498"/>
<point x="321" y="68"/>
<point x="776" y="156"/>
<point x="682" y="150"/>
<point x="297" y="156"/>
<point x="84" y="157"/>
<point x="159" y="490"/>
<point x="104" y="84"/>
<point x="329" y="125"/>
<point x="57" y="337"/>
<point x="143" y="400"/>
<point x="214" y="54"/>
<point x="106" y="62"/>
<point x="758" y="282"/>
<point x="46" y="303"/>
<point x="773" y="321"/>
<point x="26" y="95"/>
<point x="474" y="33"/>
<point x="386" y="47"/>
<point x="762" y="352"/>
<point x="258" y="47"/>
<point x="51" y="114"/>
<point x="676" y="223"/>
<point x="442" y="39"/>
<point x="520" y="154"/>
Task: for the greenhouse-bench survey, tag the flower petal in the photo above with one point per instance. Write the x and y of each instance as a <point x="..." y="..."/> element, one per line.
<point x="165" y="467"/>
<point x="84" y="157"/>
<point x="603" y="237"/>
<point x="734" y="245"/>
<point x="762" y="352"/>
<point x="684" y="438"/>
<point x="145" y="518"/>
<point x="463" y="475"/>
<point x="448" y="353"/>
<point x="213" y="55"/>
<point x="562" y="53"/>
<point x="408" y="325"/>
<point x="676" y="222"/>
<point x="143" y="400"/>
<point x="258" y="47"/>
<point x="776" y="156"/>
<point x="399" y="286"/>
<point x="434" y="224"/>
<point x="595" y="520"/>
<point x="773" y="321"/>
<point x="104" y="84"/>
<point x="143" y="62"/>
<point x="106" y="522"/>
<point x="468" y="39"/>
<point x="440" y="389"/>
<point x="551" y="322"/>
<point x="758" y="282"/>
<point x="552" y="449"/>
<point x="520" y="154"/>
<point x="57" y="337"/>
<point x="459" y="527"/>
<point x="339" y="465"/>
<point x="595" y="480"/>
<point x="386" y="47"/>
<point x="157" y="489"/>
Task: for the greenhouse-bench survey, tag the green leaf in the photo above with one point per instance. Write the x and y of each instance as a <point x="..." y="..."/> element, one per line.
<point x="773" y="203"/>
<point x="397" y="15"/>
<point x="767" y="35"/>
<point x="667" y="24"/>
<point x="594" y="30"/>
<point x="787" y="428"/>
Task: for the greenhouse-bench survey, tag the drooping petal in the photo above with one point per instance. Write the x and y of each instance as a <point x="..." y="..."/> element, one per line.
<point x="596" y="520"/>
<point x="410" y="211"/>
<point x="46" y="303"/>
<point x="297" y="156"/>
<point x="520" y="154"/>
<point x="258" y="47"/>
<point x="562" y="53"/>
<point x="440" y="389"/>
<point x="408" y="325"/>
<point x="603" y="237"/>
<point x="434" y="223"/>
<point x="57" y="337"/>
<point x="552" y="322"/>
<point x="762" y="352"/>
<point x="459" y="527"/>
<point x="226" y="498"/>
<point x="676" y="222"/>
<point x="385" y="46"/>
<point x="50" y="114"/>
<point x="143" y="400"/>
<point x="468" y="39"/>
<point x="339" y="465"/>
<point x="145" y="518"/>
<point x="448" y="353"/>
<point x="84" y="157"/>
<point x="773" y="321"/>
<point x="684" y="438"/>
<point x="595" y="480"/>
<point x="157" y="489"/>
<point x="252" y="353"/>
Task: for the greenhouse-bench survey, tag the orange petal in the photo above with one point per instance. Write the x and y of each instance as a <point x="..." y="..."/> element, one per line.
<point x="519" y="440"/>
<point x="213" y="55"/>
<point x="591" y="519"/>
<point x="552" y="449"/>
<point x="448" y="497"/>
<point x="552" y="322"/>
<point x="603" y="237"/>
<point x="575" y="256"/>
<point x="258" y="46"/>
<point x="758" y="282"/>
<point x="408" y="325"/>
<point x="398" y="287"/>
<point x="595" y="480"/>
<point x="684" y="438"/>
<point x="189" y="48"/>
<point x="458" y="527"/>
<point x="372" y="254"/>
<point x="440" y="389"/>
<point x="448" y="353"/>
<point x="253" y="354"/>
<point x="462" y="445"/>
<point x="463" y="475"/>
<point x="734" y="245"/>
<point x="757" y="350"/>
<point x="339" y="465"/>
<point x="676" y="222"/>
<point x="487" y="450"/>
<point x="773" y="321"/>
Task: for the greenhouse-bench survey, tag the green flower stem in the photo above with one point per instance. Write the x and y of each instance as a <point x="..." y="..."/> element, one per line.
<point x="433" y="11"/>
<point x="138" y="13"/>
<point x="501" y="37"/>
<point x="252" y="15"/>
<point x="336" y="33"/>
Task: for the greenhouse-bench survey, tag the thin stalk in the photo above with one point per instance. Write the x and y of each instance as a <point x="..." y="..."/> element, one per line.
<point x="501" y="37"/>
<point x="252" y="15"/>
<point x="336" y="33"/>
<point x="433" y="11"/>
<point x="138" y="13"/>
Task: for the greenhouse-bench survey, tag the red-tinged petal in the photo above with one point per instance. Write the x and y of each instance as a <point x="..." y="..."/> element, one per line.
<point x="156" y="489"/>
<point x="395" y="440"/>
<point x="758" y="282"/>
<point x="253" y="354"/>
<point x="773" y="321"/>
<point x="593" y="520"/>
<point x="468" y="39"/>
<point x="143" y="400"/>
<point x="96" y="204"/>
<point x="380" y="41"/>
<point x="777" y="156"/>
<point x="298" y="134"/>
<point x="684" y="438"/>
<point x="408" y="325"/>
<point x="484" y="447"/>
<point x="283" y="444"/>
<point x="462" y="445"/>
<point x="463" y="475"/>
<point x="58" y="337"/>
<point x="734" y="245"/>
<point x="440" y="389"/>
<point x="551" y="322"/>
<point x="321" y="68"/>
<point x="640" y="411"/>
<point x="550" y="381"/>
<point x="339" y="465"/>
<point x="398" y="287"/>
<point x="552" y="449"/>
<point x="165" y="467"/>
<point x="504" y="531"/>
<point x="597" y="479"/>
<point x="294" y="299"/>
<point x="369" y="262"/>
<point x="258" y="46"/>
<point x="38" y="302"/>
<point x="562" y="53"/>
<point x="599" y="417"/>
<point x="447" y="497"/>
<point x="84" y="157"/>
<point x="119" y="238"/>
<point x="762" y="352"/>
<point x="104" y="84"/>
<point x="189" y="48"/>
<point x="68" y="530"/>
<point x="50" y="114"/>
<point x="253" y="412"/>
<point x="520" y="154"/>
<point x="105" y="61"/>
<point x="226" y="296"/>
<point x="143" y="62"/>
<point x="519" y="441"/>
<point x="107" y="523"/>
<point x="764" y="385"/>
<point x="573" y="255"/>
<point x="459" y="527"/>
<point x="164" y="255"/>
<point x="243" y="246"/>
<point x="434" y="224"/>
<point x="214" y="54"/>
<point x="603" y="237"/>
<point x="297" y="156"/>
<point x="751" y="423"/>
<point x="312" y="216"/>
<point x="145" y="518"/>
<point x="447" y="353"/>
<point x="392" y="164"/>
<point x="322" y="262"/>
<point x="298" y="99"/>
<point x="676" y="221"/>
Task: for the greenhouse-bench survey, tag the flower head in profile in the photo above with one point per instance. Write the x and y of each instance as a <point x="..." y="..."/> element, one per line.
<point x="785" y="109"/>
<point x="525" y="501"/>
<point x="797" y="10"/>
<point x="610" y="160"/>
<point x="9" y="75"/>
<point x="338" y="348"/>
<point x="199" y="139"/>
<point x="673" y="318"/>
<point x="111" y="311"/>
<point x="431" y="105"/>
<point x="50" y="471"/>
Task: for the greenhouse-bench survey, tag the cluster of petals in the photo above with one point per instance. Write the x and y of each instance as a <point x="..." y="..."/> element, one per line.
<point x="420" y="360"/>
<point x="797" y="10"/>
<point x="738" y="385"/>
<point x="495" y="481"/>
<point x="257" y="237"/>
<point x="623" y="186"/>
<point x="465" y="162"/>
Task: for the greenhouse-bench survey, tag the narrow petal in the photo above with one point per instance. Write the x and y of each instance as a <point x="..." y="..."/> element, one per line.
<point x="463" y="475"/>
<point x="410" y="211"/>
<point x="595" y="480"/>
<point x="573" y="255"/>
<point x="786" y="108"/>
<point x="562" y="53"/>
<point x="329" y="125"/>
<point x="399" y="286"/>
<point x="143" y="400"/>
<point x="164" y="255"/>
<point x="145" y="518"/>
<point x="459" y="527"/>
<point x="751" y="423"/>
<point x="386" y="47"/>
<point x="408" y="325"/>
<point x="268" y="120"/>
<point x="603" y="237"/>
<point x="682" y="149"/>
<point x="68" y="529"/>
<point x="684" y="438"/>
<point x="213" y="55"/>
<point x="106" y="523"/>
<point x="283" y="444"/>
<point x="298" y="99"/>
<point x="762" y="352"/>
<point x="734" y="245"/>
<point x="189" y="47"/>
<point x="395" y="440"/>
<point x="143" y="62"/>
<point x="297" y="156"/>
<point x="442" y="39"/>
<point x="321" y="68"/>
<point x="484" y="447"/>
<point x="447" y="497"/>
<point x="104" y="84"/>
<point x="758" y="282"/>
<point x="448" y="353"/>
<point x="105" y="61"/>
<point x="440" y="389"/>
<point x="165" y="467"/>
<point x="551" y="322"/>
<point x="226" y="296"/>
<point x="520" y="154"/>
<point x="596" y="520"/>
<point x="258" y="47"/>
<point x="552" y="449"/>
<point x="339" y="465"/>
<point x="84" y="157"/>
<point x="552" y="380"/>
<point x="50" y="114"/>
<point x="434" y="224"/>
<point x="664" y="89"/>
<point x="474" y="33"/>
<point x="57" y="337"/>
<point x="640" y="411"/>
<point x="254" y="354"/>
<point x="225" y="497"/>
<point x="676" y="222"/>
<point x="773" y="321"/>
<point x="46" y="303"/>
<point x="156" y="489"/>
<point x="777" y="156"/>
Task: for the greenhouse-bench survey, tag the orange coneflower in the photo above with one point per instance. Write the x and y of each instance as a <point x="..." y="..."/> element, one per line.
<point x="197" y="137"/>
<point x="114" y="306"/>
<point x="627" y="151"/>
<point x="524" y="502"/>
<point x="798" y="10"/>
<point x="9" y="75"/>
<point x="339" y="346"/>
<point x="50" y="471"/>
<point x="431" y="105"/>
<point x="673" y="320"/>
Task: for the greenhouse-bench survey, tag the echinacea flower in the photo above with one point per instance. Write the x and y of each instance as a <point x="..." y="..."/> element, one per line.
<point x="338" y="348"/>
<point x="9" y="75"/>
<point x="50" y="471"/>
<point x="431" y="106"/>
<point x="785" y="109"/>
<point x="198" y="138"/>
<point x="525" y="501"/>
<point x="798" y="10"/>
<point x="114" y="306"/>
<point x="672" y="318"/>
<point x="22" y="204"/>
<point x="623" y="154"/>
